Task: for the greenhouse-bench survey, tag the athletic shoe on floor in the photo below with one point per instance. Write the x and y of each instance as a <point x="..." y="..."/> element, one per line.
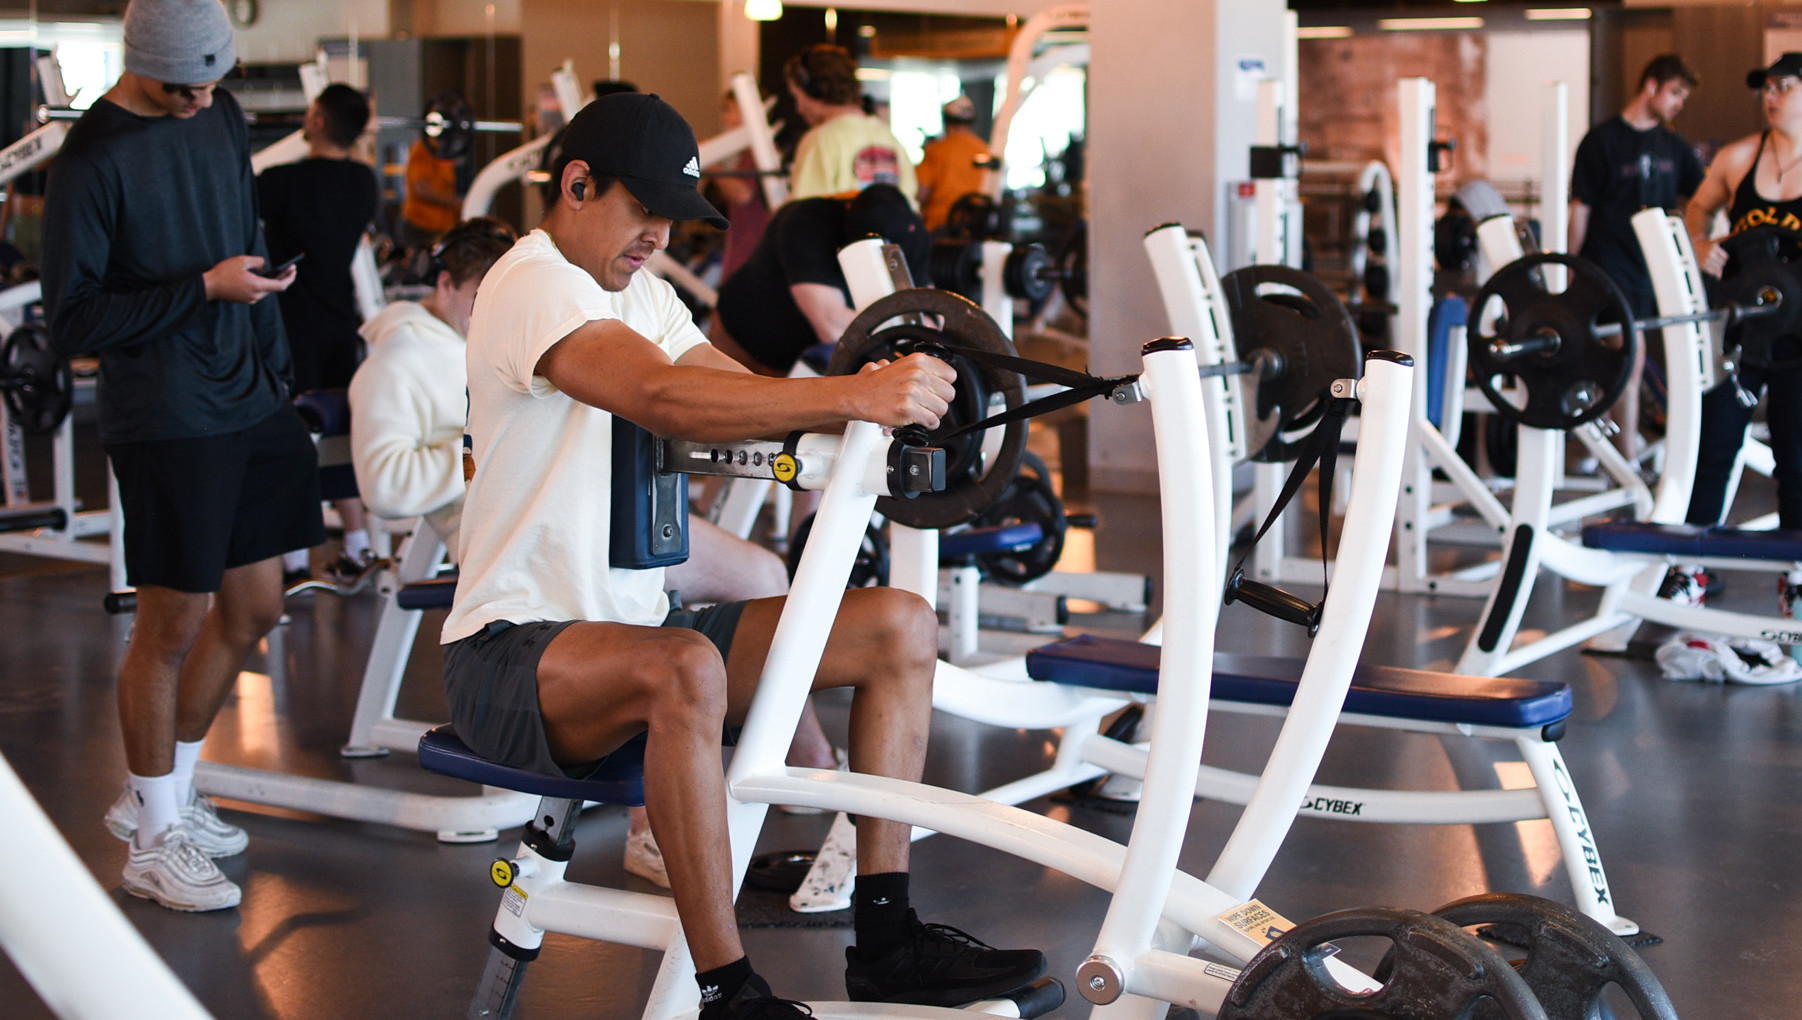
<point x="1686" y="586"/>
<point x="937" y="965"/>
<point x="1789" y="593"/>
<point x="1716" y="659"/>
<point x="833" y="877"/>
<point x="755" y="1001"/>
<point x="176" y="874"/>
<point x="297" y="582"/>
<point x="351" y="574"/>
<point x="209" y="833"/>
<point x="644" y="858"/>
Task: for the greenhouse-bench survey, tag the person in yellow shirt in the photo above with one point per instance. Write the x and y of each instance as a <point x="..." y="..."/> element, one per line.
<point x="845" y="150"/>
<point x="950" y="168"/>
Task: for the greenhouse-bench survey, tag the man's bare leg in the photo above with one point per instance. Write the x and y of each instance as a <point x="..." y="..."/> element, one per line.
<point x="248" y="606"/>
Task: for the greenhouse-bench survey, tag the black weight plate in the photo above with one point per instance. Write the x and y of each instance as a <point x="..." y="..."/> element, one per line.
<point x="973" y="481"/>
<point x="1377" y="240"/>
<point x="1578" y="379"/>
<point x="1571" y="959"/>
<point x="957" y="266"/>
<point x="779" y="871"/>
<point x="1028" y="273"/>
<point x="448" y="125"/>
<point x="1437" y="971"/>
<point x="40" y="387"/>
<point x="974" y="216"/>
<point x="1376" y="281"/>
<point x="1073" y="269"/>
<point x="1763" y="269"/>
<point x="1029" y="500"/>
<point x="1304" y="340"/>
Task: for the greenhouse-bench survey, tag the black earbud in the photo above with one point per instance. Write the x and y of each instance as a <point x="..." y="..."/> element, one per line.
<point x="579" y="189"/>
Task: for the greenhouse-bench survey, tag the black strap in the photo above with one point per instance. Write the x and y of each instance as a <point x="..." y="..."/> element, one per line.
<point x="1082" y="386"/>
<point x="1321" y="446"/>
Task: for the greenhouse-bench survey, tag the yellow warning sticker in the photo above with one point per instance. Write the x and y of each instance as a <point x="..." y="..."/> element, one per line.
<point x="783" y="466"/>
<point x="1257" y="922"/>
<point x="514" y="899"/>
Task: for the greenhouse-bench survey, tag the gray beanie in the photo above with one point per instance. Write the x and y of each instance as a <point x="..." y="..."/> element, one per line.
<point x="178" y="42"/>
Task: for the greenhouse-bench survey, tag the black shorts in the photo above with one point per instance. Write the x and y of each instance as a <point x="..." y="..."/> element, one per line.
<point x="491" y="682"/>
<point x="195" y="508"/>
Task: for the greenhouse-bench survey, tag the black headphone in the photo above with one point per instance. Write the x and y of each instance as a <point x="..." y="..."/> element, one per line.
<point x="579" y="189"/>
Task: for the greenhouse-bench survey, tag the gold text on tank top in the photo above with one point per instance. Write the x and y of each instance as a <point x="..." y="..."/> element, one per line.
<point x="1768" y="214"/>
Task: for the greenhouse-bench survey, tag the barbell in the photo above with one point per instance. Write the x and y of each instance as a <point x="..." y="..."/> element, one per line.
<point x="37" y="384"/>
<point x="1027" y="273"/>
<point x="1571" y="351"/>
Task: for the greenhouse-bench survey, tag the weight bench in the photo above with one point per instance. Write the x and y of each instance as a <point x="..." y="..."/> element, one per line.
<point x="1696" y="543"/>
<point x="1531" y="713"/>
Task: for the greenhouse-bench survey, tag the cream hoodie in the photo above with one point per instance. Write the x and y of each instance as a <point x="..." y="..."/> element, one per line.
<point x="408" y="405"/>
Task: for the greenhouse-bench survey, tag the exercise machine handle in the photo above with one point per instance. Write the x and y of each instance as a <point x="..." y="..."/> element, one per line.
<point x="1273" y="601"/>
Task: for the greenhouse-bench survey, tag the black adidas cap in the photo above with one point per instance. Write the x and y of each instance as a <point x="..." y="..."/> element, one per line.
<point x="1790" y="65"/>
<point x="644" y="142"/>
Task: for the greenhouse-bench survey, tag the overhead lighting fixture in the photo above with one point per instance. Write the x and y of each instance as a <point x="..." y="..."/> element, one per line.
<point x="1428" y="24"/>
<point x="1559" y="14"/>
<point x="874" y="74"/>
<point x="763" y="10"/>
<point x="1323" y="32"/>
<point x="867" y="31"/>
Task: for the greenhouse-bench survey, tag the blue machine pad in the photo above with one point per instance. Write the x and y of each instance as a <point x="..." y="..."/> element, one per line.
<point x="1120" y="665"/>
<point x="619" y="779"/>
<point x="1693" y="540"/>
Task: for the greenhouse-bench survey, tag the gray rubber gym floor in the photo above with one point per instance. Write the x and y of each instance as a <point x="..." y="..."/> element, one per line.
<point x="1692" y="790"/>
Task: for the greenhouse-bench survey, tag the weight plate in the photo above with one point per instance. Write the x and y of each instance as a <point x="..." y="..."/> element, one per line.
<point x="39" y="386"/>
<point x="1302" y="339"/>
<point x="1580" y="373"/>
<point x="1028" y="273"/>
<point x="1029" y="500"/>
<point x="869" y="568"/>
<point x="974" y="474"/>
<point x="448" y="125"/>
<point x="1763" y="269"/>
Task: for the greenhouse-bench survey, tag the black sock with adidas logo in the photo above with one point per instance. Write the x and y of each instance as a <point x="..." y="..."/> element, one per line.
<point x="720" y="984"/>
<point x="879" y="911"/>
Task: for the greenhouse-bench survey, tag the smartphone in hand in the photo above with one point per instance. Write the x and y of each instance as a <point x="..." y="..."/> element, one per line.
<point x="279" y="270"/>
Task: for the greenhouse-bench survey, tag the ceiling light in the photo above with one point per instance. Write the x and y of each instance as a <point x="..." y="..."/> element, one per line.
<point x="1323" y="32"/>
<point x="1558" y="14"/>
<point x="1427" y="24"/>
<point x="763" y="10"/>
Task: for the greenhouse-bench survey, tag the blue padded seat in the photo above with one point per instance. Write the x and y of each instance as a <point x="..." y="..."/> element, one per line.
<point x="1693" y="540"/>
<point x="618" y="779"/>
<point x="818" y="357"/>
<point x="433" y="593"/>
<point x="1119" y="665"/>
<point x="976" y="541"/>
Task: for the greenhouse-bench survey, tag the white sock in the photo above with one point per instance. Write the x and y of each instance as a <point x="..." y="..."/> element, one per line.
<point x="356" y="543"/>
<point x="186" y="754"/>
<point x="157" y="810"/>
<point x="296" y="560"/>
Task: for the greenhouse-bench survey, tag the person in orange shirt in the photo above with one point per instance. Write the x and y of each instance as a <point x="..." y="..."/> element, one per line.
<point x="432" y="205"/>
<point x="949" y="170"/>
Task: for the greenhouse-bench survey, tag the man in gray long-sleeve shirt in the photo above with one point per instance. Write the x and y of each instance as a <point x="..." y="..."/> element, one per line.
<point x="151" y="257"/>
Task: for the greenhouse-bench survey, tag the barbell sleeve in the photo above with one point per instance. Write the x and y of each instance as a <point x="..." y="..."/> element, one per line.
<point x="1769" y="302"/>
<point x="1544" y="342"/>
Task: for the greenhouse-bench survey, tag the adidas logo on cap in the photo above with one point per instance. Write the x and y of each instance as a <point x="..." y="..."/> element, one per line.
<point x="693" y="169"/>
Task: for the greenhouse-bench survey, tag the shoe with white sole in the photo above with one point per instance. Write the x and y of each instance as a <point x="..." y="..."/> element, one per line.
<point x="832" y="878"/>
<point x="213" y="835"/>
<point x="1712" y="658"/>
<point x="176" y="874"/>
<point x="644" y="858"/>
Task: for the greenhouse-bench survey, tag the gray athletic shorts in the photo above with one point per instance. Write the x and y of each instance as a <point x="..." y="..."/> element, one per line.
<point x="491" y="682"/>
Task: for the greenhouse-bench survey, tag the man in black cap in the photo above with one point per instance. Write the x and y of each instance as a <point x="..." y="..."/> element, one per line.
<point x="151" y="257"/>
<point x="791" y="293"/>
<point x="553" y="659"/>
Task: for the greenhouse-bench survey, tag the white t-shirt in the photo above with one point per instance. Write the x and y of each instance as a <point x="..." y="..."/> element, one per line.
<point x="534" y="543"/>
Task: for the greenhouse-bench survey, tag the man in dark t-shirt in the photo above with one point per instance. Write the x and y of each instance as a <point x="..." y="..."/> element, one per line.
<point x="790" y="294"/>
<point x="320" y="207"/>
<point x="1623" y="165"/>
<point x="152" y="261"/>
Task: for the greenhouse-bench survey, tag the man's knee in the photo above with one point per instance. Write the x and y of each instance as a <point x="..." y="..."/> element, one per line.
<point x="684" y="678"/>
<point x="168" y="622"/>
<point x="901" y="622"/>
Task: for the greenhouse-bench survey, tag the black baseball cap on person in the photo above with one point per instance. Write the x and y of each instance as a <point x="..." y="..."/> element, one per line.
<point x="643" y="141"/>
<point x="883" y="210"/>
<point x="1789" y="64"/>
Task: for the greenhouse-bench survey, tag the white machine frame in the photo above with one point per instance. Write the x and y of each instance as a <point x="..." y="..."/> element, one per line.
<point x="1630" y="580"/>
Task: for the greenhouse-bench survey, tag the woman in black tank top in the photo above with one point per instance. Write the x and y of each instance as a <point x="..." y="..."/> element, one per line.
<point x="1756" y="180"/>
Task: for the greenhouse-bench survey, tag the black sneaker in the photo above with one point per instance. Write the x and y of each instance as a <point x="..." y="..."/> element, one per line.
<point x="755" y="1001"/>
<point x="937" y="965"/>
<point x="299" y="582"/>
<point x="350" y="574"/>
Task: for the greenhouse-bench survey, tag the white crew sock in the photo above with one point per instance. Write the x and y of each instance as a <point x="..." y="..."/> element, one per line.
<point x="296" y="560"/>
<point x="186" y="754"/>
<point x="157" y="810"/>
<point x="356" y="543"/>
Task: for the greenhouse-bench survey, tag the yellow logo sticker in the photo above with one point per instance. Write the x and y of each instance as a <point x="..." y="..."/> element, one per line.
<point x="502" y="873"/>
<point x="785" y="469"/>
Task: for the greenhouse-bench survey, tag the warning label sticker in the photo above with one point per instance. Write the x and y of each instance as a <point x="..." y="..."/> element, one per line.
<point x="1257" y="922"/>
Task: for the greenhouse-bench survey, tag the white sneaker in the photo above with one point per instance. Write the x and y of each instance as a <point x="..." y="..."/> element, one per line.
<point x="644" y="858"/>
<point x="1686" y="586"/>
<point x="832" y="878"/>
<point x="176" y="874"/>
<point x="1716" y="659"/>
<point x="214" y="836"/>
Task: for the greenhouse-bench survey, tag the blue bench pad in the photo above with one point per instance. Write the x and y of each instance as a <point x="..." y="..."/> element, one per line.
<point x="326" y="412"/>
<point x="1120" y="665"/>
<point x="1693" y="540"/>
<point x="435" y="593"/>
<point x="618" y="779"/>
<point x="976" y="541"/>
